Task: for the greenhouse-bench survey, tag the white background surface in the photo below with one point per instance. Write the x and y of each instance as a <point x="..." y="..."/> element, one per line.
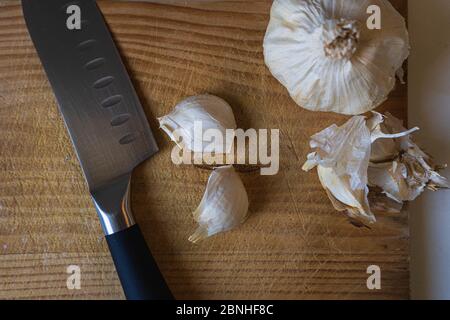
<point x="429" y="108"/>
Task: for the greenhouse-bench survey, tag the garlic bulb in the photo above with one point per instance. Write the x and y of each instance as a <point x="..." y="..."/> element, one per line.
<point x="327" y="58"/>
<point x="224" y="205"/>
<point x="375" y="152"/>
<point x="192" y="117"/>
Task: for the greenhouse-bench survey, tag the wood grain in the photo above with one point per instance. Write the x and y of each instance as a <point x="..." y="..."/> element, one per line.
<point x="293" y="246"/>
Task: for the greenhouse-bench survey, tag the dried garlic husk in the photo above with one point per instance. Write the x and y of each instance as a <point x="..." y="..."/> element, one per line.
<point x="400" y="168"/>
<point x="375" y="152"/>
<point x="208" y="110"/>
<point x="327" y="58"/>
<point x="342" y="156"/>
<point x="224" y="205"/>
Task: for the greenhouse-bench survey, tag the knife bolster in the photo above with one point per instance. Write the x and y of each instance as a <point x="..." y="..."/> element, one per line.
<point x="112" y="203"/>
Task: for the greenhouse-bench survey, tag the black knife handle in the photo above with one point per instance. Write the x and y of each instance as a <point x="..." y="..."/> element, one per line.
<point x="136" y="267"/>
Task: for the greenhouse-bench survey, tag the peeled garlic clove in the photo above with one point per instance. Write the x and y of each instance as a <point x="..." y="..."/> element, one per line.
<point x="327" y="58"/>
<point x="208" y="110"/>
<point x="224" y="205"/>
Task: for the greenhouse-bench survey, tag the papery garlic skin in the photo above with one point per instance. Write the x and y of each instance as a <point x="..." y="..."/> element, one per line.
<point x="342" y="157"/>
<point x="323" y="53"/>
<point x="353" y="201"/>
<point x="374" y="152"/>
<point x="224" y="205"/>
<point x="208" y="110"/>
<point x="400" y="168"/>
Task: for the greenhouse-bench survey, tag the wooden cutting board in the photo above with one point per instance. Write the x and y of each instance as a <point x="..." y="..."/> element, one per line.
<point x="294" y="244"/>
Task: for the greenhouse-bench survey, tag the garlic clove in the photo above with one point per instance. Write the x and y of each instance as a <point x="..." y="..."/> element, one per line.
<point x="343" y="197"/>
<point x="390" y="178"/>
<point x="327" y="58"/>
<point x="224" y="205"/>
<point x="342" y="157"/>
<point x="377" y="152"/>
<point x="346" y="149"/>
<point x="399" y="167"/>
<point x="406" y="177"/>
<point x="208" y="110"/>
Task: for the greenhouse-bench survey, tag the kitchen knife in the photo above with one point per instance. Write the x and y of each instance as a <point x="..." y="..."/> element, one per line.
<point x="106" y="123"/>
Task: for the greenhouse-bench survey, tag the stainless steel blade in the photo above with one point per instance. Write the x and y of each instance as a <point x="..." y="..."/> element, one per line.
<point x="106" y="124"/>
<point x="101" y="110"/>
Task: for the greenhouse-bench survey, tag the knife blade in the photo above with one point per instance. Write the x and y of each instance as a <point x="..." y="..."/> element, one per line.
<point x="106" y="124"/>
